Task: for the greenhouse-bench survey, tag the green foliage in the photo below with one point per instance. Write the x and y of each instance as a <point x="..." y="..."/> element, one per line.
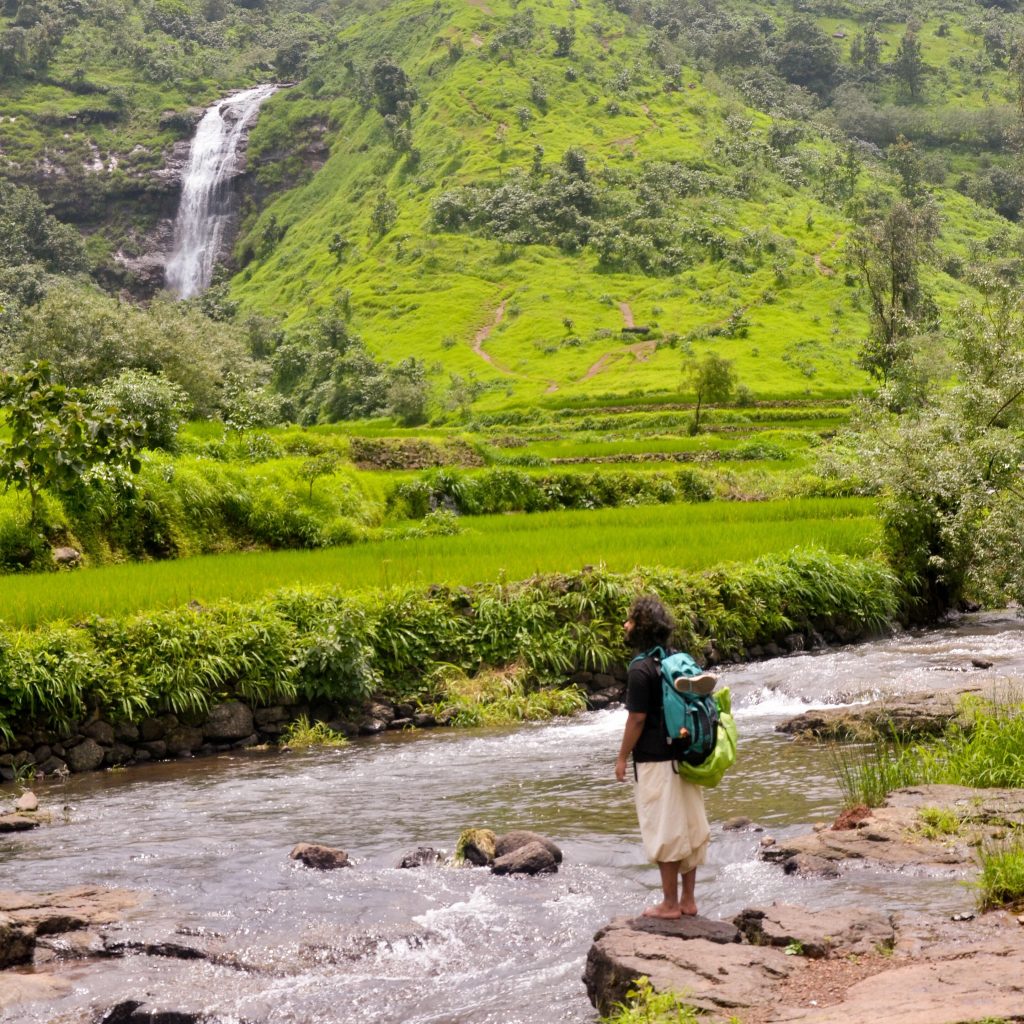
<point x="949" y="469"/>
<point x="489" y="652"/>
<point x="1001" y="883"/>
<point x="498" y="698"/>
<point x="301" y="735"/>
<point x="157" y="405"/>
<point x="56" y="443"/>
<point x="712" y="380"/>
<point x="987" y="751"/>
<point x="644" y="1005"/>
<point x="938" y="822"/>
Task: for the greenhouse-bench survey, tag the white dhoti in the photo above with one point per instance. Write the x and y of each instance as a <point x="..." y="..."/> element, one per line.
<point x="673" y="824"/>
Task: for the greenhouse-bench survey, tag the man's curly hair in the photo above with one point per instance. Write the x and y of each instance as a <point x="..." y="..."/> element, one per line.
<point x="652" y="623"/>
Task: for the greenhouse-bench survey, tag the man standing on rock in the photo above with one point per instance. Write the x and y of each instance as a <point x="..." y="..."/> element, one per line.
<point x="673" y="825"/>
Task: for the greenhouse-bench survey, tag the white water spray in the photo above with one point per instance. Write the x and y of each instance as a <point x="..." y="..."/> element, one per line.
<point x="205" y="206"/>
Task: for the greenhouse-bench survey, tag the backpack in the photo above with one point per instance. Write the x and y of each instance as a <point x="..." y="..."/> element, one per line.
<point x="684" y="709"/>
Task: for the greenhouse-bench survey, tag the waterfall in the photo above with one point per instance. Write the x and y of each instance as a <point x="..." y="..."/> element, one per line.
<point x="206" y="207"/>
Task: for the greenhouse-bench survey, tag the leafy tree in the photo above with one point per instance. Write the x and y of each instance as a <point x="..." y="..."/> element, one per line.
<point x="384" y="214"/>
<point x="807" y="56"/>
<point x="56" y="439"/>
<point x="322" y="464"/>
<point x="889" y="254"/>
<point x="713" y="380"/>
<point x="565" y="36"/>
<point x="392" y="88"/>
<point x="908" y="67"/>
<point x="906" y="162"/>
<point x="156" y="404"/>
<point x="409" y="394"/>
<point x="949" y="472"/>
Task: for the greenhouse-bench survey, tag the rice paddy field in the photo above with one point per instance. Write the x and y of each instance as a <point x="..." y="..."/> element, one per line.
<point x="488" y="548"/>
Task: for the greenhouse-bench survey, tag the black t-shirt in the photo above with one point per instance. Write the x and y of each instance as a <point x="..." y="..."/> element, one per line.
<point x="643" y="693"/>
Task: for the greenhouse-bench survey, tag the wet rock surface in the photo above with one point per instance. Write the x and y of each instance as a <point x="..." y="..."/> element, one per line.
<point x="322" y="858"/>
<point x="928" y="713"/>
<point x="895" y="835"/>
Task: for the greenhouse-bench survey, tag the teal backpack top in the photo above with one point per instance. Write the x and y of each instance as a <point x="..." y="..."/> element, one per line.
<point x="686" y="713"/>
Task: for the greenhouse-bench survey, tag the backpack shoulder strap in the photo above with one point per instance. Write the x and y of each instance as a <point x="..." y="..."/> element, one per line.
<point x="657" y="653"/>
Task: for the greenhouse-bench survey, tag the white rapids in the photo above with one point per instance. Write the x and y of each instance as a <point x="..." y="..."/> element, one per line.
<point x="204" y="210"/>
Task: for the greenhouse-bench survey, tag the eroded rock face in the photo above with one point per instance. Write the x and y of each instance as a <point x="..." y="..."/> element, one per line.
<point x="910" y="968"/>
<point x="817" y="934"/>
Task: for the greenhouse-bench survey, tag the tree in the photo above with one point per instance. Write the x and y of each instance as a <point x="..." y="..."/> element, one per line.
<point x="950" y="472"/>
<point x="888" y="254"/>
<point x="384" y="214"/>
<point x="392" y="88"/>
<point x="56" y="440"/>
<point x="806" y="56"/>
<point x="909" y="67"/>
<point x="713" y="380"/>
<point x="157" y="405"/>
<point x="565" y="36"/>
<point x="323" y="464"/>
<point x="906" y="162"/>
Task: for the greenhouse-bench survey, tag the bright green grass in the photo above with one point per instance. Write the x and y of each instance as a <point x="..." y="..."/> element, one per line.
<point x="516" y="546"/>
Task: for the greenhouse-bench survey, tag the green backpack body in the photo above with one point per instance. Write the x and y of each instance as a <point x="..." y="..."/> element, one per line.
<point x="683" y="709"/>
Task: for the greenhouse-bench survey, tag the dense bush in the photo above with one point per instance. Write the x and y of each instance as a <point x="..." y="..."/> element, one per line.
<point x="322" y="644"/>
<point x="511" y="490"/>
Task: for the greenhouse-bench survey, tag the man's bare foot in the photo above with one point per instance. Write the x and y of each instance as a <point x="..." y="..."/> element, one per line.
<point x="688" y="908"/>
<point x="664" y="912"/>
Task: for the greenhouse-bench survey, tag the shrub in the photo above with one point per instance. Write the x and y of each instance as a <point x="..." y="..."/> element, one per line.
<point x="158" y="405"/>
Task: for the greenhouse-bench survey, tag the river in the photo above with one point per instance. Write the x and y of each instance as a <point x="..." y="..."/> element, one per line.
<point x="208" y="842"/>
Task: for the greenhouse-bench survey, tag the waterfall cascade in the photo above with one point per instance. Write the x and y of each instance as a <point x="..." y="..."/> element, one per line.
<point x="205" y="207"/>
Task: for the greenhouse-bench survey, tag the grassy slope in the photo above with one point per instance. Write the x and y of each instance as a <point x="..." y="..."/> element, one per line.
<point x="431" y="294"/>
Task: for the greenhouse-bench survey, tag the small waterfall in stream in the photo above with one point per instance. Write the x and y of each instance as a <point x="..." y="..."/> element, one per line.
<point x="205" y="207"/>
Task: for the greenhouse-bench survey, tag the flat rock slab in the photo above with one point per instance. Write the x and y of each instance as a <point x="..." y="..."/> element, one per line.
<point x="845" y="931"/>
<point x="21" y="988"/>
<point x="894" y="836"/>
<point x="912" y="714"/>
<point x="26" y="916"/>
<point x="18" y="823"/>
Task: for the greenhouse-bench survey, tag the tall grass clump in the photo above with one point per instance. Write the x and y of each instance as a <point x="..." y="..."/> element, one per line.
<point x="301" y="735"/>
<point x="499" y="698"/>
<point x="985" y="749"/>
<point x="643" y="1005"/>
<point x="1001" y="882"/>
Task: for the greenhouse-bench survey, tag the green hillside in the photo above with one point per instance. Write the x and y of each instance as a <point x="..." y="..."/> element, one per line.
<point x="529" y="206"/>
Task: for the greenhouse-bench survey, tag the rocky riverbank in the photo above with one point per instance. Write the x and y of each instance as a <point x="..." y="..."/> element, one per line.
<point x="784" y="964"/>
<point x="788" y="965"/>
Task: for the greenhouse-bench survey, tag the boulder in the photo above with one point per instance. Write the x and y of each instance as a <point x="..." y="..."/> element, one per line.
<point x="66" y="556"/>
<point x="531" y="859"/>
<point x="421" y="856"/>
<point x="85" y="756"/>
<point x="229" y="722"/>
<point x="512" y="841"/>
<point x="183" y="739"/>
<point x="806" y="864"/>
<point x="28" y="801"/>
<point x="101" y="732"/>
<point x="323" y="858"/>
<point x="52" y="766"/>
<point x="736" y="824"/>
<point x="686" y="955"/>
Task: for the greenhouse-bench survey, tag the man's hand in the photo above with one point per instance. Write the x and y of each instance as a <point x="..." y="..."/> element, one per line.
<point x="620" y="769"/>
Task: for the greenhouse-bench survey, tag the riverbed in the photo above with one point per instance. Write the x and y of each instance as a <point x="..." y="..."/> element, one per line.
<point x="207" y="841"/>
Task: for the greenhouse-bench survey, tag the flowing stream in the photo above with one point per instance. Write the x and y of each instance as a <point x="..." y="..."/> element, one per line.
<point x="208" y="842"/>
<point x="205" y="208"/>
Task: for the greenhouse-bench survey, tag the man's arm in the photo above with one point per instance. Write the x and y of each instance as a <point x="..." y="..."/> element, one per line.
<point x="630" y="736"/>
